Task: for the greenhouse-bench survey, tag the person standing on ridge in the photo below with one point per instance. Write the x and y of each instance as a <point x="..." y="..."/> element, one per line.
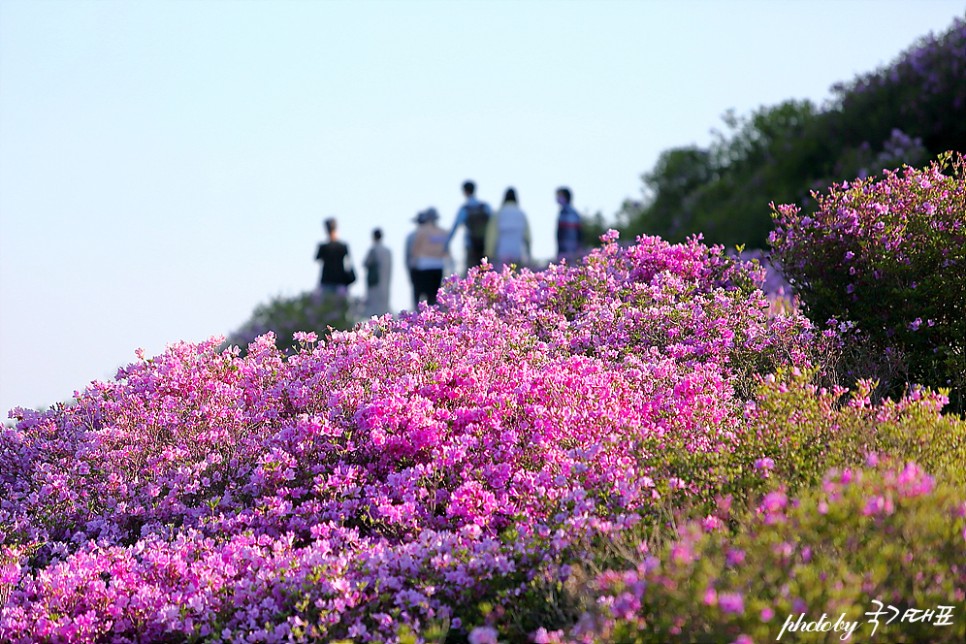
<point x="378" y="264"/>
<point x="508" y="234"/>
<point x="570" y="232"/>
<point x="337" y="272"/>
<point x="475" y="215"/>
<point x="428" y="255"/>
<point x="410" y="260"/>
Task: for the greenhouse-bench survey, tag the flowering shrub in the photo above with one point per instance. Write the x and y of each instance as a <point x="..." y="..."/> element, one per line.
<point x="886" y="535"/>
<point x="776" y="288"/>
<point x="889" y="255"/>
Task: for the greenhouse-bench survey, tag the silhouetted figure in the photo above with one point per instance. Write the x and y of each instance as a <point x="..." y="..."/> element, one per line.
<point x="475" y="215"/>
<point x="508" y="234"/>
<point x="428" y="255"/>
<point x="410" y="260"/>
<point x="378" y="265"/>
<point x="337" y="272"/>
<point x="570" y="232"/>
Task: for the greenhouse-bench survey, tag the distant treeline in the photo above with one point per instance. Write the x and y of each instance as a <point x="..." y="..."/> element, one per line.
<point x="903" y="113"/>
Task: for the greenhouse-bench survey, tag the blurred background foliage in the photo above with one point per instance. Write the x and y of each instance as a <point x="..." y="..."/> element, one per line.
<point x="315" y="311"/>
<point x="903" y="113"/>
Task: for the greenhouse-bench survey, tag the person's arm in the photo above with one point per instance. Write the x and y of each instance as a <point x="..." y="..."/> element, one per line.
<point x="580" y="229"/>
<point x="489" y="241"/>
<point x="526" y="239"/>
<point x="347" y="269"/>
<point x="460" y="219"/>
<point x="560" y="233"/>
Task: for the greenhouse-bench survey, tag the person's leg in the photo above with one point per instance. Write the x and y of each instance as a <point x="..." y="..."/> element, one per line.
<point x="434" y="280"/>
<point x="473" y="259"/>
<point x="419" y="287"/>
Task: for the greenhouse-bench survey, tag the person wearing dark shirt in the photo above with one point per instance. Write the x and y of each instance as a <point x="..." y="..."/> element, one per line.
<point x="474" y="215"/>
<point x="570" y="234"/>
<point x="337" y="272"/>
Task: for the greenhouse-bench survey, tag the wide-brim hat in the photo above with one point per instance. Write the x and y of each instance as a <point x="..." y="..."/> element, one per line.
<point x="427" y="215"/>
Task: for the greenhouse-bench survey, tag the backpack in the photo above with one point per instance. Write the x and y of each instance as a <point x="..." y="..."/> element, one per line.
<point x="372" y="271"/>
<point x="476" y="221"/>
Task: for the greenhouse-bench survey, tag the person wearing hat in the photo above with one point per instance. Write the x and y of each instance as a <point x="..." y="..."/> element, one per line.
<point x="426" y="256"/>
<point x="410" y="263"/>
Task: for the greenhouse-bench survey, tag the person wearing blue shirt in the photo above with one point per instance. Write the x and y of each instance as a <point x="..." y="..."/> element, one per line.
<point x="474" y="215"/>
<point x="570" y="233"/>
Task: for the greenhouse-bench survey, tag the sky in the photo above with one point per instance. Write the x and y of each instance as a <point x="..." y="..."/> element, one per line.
<point x="165" y="167"/>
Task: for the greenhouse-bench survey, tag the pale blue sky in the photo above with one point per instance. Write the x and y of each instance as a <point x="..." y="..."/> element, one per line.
<point x="165" y="166"/>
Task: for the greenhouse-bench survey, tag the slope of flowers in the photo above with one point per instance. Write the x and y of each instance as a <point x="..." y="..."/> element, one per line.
<point x="402" y="474"/>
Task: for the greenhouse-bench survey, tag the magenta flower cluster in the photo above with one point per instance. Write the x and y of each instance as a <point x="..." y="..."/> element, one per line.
<point x="396" y="475"/>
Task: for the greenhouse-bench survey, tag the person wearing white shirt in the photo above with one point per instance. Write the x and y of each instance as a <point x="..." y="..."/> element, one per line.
<point x="378" y="264"/>
<point x="508" y="234"/>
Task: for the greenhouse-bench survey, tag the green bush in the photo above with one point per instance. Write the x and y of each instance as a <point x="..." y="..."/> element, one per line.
<point x="312" y="311"/>
<point x="890" y="536"/>
<point x="793" y="432"/>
